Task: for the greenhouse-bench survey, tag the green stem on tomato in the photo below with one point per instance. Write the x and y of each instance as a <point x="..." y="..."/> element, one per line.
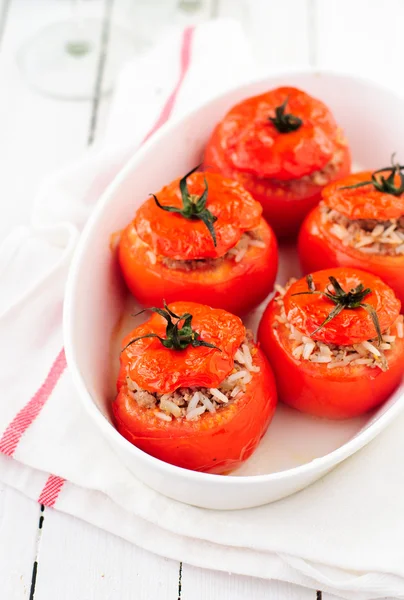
<point x="177" y="338"/>
<point x="383" y="184"/>
<point x="285" y="122"/>
<point x="343" y="300"/>
<point x="192" y="208"/>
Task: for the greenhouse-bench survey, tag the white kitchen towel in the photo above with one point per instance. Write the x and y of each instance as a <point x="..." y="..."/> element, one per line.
<point x="344" y="534"/>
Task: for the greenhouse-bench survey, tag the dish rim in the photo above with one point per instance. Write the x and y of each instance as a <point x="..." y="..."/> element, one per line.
<point x="109" y="431"/>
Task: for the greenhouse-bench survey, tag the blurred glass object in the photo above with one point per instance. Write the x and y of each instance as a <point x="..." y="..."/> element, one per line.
<point x="189" y="6"/>
<point x="155" y="17"/>
<point x="79" y="58"/>
<point x="159" y="17"/>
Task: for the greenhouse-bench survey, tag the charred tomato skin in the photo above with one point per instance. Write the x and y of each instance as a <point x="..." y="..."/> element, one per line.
<point x="236" y="287"/>
<point x="319" y="249"/>
<point x="216" y="442"/>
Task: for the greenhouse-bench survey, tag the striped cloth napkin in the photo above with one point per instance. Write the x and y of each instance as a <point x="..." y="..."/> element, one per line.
<point x="34" y="261"/>
<point x="341" y="535"/>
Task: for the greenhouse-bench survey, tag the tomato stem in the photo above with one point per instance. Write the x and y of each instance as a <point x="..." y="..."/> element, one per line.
<point x="176" y="338"/>
<point x="383" y="184"/>
<point x="192" y="207"/>
<point x="285" y="122"/>
<point x="343" y="300"/>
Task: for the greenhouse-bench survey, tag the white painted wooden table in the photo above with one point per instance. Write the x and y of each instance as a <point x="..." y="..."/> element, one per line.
<point x="44" y="554"/>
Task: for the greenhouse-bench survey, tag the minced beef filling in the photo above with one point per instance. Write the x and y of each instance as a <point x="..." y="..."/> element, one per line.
<point x="366" y="353"/>
<point x="190" y="403"/>
<point x="367" y="235"/>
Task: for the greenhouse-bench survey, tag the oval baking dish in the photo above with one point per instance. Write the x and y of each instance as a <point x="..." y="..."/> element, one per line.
<point x="298" y="449"/>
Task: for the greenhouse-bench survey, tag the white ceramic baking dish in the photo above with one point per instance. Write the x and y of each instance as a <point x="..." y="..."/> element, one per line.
<point x="297" y="449"/>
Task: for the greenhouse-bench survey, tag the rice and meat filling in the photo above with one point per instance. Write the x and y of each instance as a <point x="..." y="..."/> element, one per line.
<point x="190" y="403"/>
<point x="365" y="353"/>
<point x="327" y="173"/>
<point x="367" y="235"/>
<point x="248" y="240"/>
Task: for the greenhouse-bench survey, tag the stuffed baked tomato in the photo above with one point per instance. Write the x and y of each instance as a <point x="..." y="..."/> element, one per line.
<point x="193" y="388"/>
<point x="359" y="223"/>
<point x="201" y="238"/>
<point x="284" y="146"/>
<point x="335" y="341"/>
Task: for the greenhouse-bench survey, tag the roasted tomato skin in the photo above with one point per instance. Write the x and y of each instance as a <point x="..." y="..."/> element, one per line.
<point x="285" y="203"/>
<point x="319" y="249"/>
<point x="254" y="143"/>
<point x="312" y="388"/>
<point x="277" y="172"/>
<point x="156" y="368"/>
<point x="307" y="312"/>
<point x="364" y="202"/>
<point x="236" y="287"/>
<point x="172" y="235"/>
<point x="216" y="442"/>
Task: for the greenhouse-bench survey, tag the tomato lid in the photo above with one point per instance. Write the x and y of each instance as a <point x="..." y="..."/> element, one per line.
<point x="282" y="134"/>
<point x="356" y="320"/>
<point x="357" y="197"/>
<point x="170" y="234"/>
<point x="156" y="368"/>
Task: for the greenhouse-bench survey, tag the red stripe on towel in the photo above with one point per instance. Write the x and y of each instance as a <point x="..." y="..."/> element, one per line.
<point x="18" y="426"/>
<point x="170" y="103"/>
<point x="51" y="491"/>
<point x="27" y="415"/>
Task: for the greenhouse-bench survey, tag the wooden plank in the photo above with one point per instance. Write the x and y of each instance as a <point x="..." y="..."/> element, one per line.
<point x="361" y="37"/>
<point x="278" y="31"/>
<point x="325" y="596"/>
<point x="19" y="518"/>
<point x="199" y="584"/>
<point x="4" y="6"/>
<point x="81" y="562"/>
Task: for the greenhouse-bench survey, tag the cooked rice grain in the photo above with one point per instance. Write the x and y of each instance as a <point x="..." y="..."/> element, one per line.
<point x="334" y="356"/>
<point x="191" y="403"/>
<point x="367" y="235"/>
